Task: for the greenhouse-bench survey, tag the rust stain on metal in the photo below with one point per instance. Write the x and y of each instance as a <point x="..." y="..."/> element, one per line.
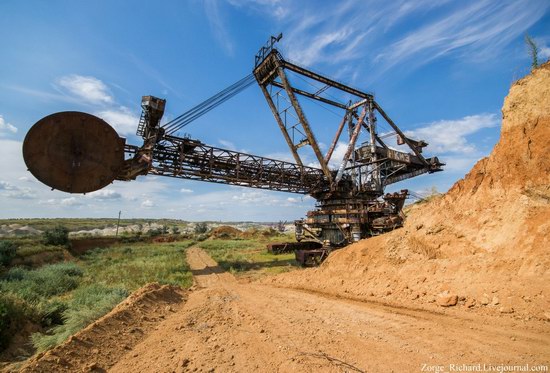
<point x="73" y="152"/>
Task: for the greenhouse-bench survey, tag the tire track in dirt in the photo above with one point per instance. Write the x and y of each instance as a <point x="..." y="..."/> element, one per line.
<point x="230" y="327"/>
<point x="234" y="327"/>
<point x="206" y="272"/>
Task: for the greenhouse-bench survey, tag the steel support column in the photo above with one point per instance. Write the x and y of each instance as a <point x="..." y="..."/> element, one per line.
<point x="281" y="126"/>
<point x="304" y="123"/>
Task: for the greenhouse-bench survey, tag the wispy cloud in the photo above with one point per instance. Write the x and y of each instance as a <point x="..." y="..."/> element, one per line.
<point x="217" y="25"/>
<point x="478" y="30"/>
<point x="44" y="95"/>
<point x="6" y="127"/>
<point x="10" y="190"/>
<point x="87" y="88"/>
<point x="70" y="201"/>
<point x="4" y="185"/>
<point x="451" y="136"/>
<point x="379" y="36"/>
<point x="121" y="118"/>
<point x="104" y="194"/>
<point x="275" y="8"/>
<point x="147" y="204"/>
<point x="87" y="91"/>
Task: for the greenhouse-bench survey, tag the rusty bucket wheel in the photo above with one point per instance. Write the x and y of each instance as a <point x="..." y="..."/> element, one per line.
<point x="73" y="152"/>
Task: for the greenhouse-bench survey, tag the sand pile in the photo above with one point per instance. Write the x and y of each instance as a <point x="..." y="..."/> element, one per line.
<point x="17" y="230"/>
<point x="97" y="347"/>
<point x="225" y="232"/>
<point x="484" y="246"/>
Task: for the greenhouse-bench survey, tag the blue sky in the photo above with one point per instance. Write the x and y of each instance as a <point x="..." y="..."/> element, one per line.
<point x="440" y="69"/>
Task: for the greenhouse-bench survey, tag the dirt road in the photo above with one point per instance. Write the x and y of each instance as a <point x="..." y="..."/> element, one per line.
<point x="226" y="326"/>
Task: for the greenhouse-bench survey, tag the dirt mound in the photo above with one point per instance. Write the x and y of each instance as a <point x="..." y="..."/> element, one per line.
<point x="17" y="230"/>
<point x="485" y="245"/>
<point x="100" y="345"/>
<point x="225" y="232"/>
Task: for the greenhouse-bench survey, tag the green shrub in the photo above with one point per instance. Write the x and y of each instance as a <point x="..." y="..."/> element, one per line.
<point x="7" y="252"/>
<point x="201" y="228"/>
<point x="56" y="236"/>
<point x="87" y="304"/>
<point x="154" y="232"/>
<point x="5" y="321"/>
<point x="47" y="281"/>
<point x="12" y="311"/>
<point x="51" y="312"/>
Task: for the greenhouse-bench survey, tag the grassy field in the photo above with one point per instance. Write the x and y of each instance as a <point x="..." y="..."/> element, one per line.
<point x="62" y="298"/>
<point x="58" y="292"/>
<point x="248" y="256"/>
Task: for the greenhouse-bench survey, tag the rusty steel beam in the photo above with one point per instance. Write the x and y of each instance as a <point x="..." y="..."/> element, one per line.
<point x="323" y="79"/>
<point x="372" y="131"/>
<point x="305" y="124"/>
<point x="400" y="133"/>
<point x="312" y="96"/>
<point x="351" y="145"/>
<point x="382" y="143"/>
<point x="281" y="126"/>
<point x="336" y="138"/>
<point x="190" y="159"/>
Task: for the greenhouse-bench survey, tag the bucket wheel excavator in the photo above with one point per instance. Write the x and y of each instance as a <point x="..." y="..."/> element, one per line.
<point x="77" y="152"/>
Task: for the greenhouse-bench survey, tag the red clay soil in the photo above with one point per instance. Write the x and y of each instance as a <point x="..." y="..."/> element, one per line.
<point x="226" y="326"/>
<point x="485" y="245"/>
<point x="80" y="246"/>
<point x="225" y="232"/>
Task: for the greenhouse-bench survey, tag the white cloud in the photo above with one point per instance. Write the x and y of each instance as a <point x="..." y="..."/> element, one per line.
<point x="217" y="25"/>
<point x="50" y="201"/>
<point x="477" y="30"/>
<point x="147" y="203"/>
<point x="338" y="155"/>
<point x="450" y="136"/>
<point x="277" y="8"/>
<point x="87" y="88"/>
<point x="20" y="193"/>
<point x="122" y="119"/>
<point x="227" y="144"/>
<point x="185" y="190"/>
<point x="544" y="53"/>
<point x="314" y="51"/>
<point x="104" y="194"/>
<point x="6" y="127"/>
<point x="377" y="36"/>
<point x="16" y="192"/>
<point x="71" y="201"/>
<point x="4" y="185"/>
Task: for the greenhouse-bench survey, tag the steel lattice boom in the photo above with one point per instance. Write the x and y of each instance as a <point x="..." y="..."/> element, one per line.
<point x="191" y="159"/>
<point x="61" y="150"/>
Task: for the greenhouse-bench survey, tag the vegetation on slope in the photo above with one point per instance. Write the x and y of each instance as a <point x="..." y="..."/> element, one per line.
<point x="60" y="299"/>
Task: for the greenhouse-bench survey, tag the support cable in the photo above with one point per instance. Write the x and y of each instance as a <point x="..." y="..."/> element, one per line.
<point x="209" y="104"/>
